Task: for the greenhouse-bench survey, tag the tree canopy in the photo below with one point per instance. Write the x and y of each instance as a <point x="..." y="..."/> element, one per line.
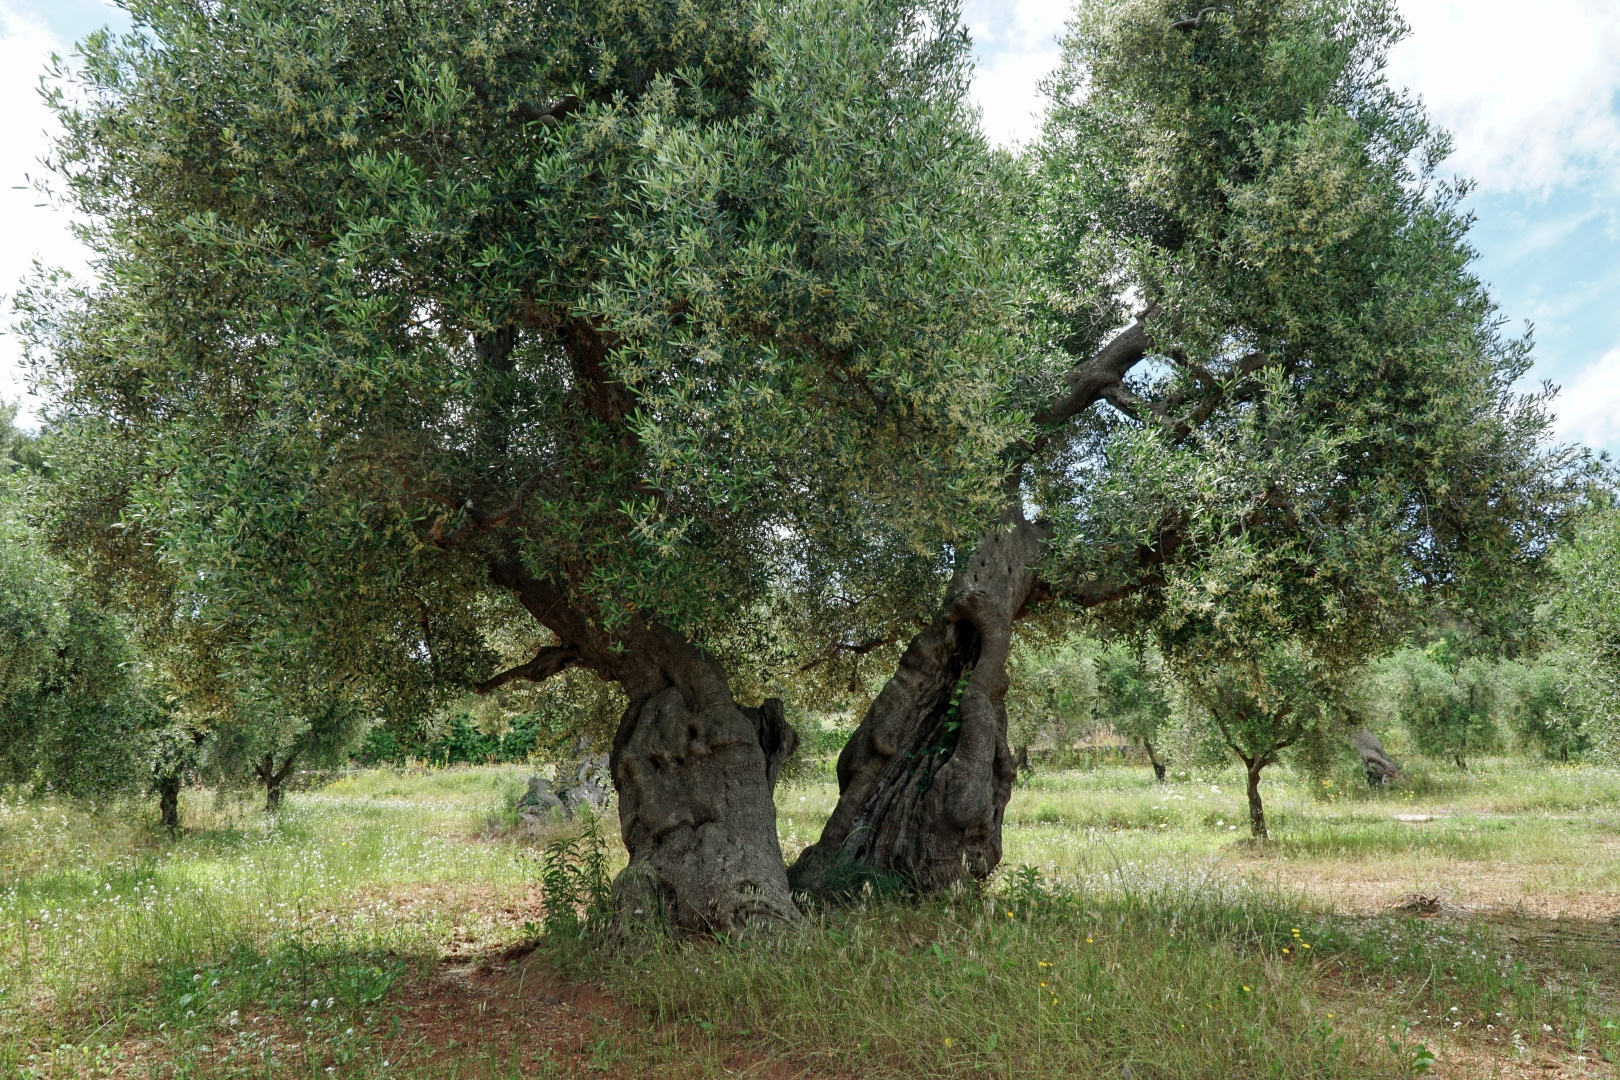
<point x="414" y="318"/>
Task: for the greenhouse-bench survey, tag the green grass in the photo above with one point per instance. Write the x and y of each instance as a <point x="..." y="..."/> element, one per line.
<point x="298" y="944"/>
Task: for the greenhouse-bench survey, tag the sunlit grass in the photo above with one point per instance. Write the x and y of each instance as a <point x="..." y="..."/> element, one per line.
<point x="99" y="910"/>
<point x="207" y="950"/>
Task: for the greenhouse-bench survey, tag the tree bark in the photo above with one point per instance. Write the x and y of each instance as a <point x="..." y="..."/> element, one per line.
<point x="1379" y="768"/>
<point x="694" y="772"/>
<point x="1257" y="809"/>
<point x="925" y="779"/>
<point x="1158" y="766"/>
<point x="169" y="802"/>
<point x="695" y="775"/>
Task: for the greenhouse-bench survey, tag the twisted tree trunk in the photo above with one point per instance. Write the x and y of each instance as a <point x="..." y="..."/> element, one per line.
<point x="694" y="772"/>
<point x="695" y="775"/>
<point x="925" y="779"/>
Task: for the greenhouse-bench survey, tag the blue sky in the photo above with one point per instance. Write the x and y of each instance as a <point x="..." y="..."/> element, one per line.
<point x="1531" y="93"/>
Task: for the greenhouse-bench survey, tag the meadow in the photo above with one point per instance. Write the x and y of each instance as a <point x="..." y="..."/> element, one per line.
<point x="391" y="924"/>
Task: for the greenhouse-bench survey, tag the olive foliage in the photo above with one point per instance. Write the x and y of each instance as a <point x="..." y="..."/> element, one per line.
<point x="79" y="710"/>
<point x="422" y="329"/>
<point x="1585" y="617"/>
<point x="1330" y="438"/>
<point x="643" y="297"/>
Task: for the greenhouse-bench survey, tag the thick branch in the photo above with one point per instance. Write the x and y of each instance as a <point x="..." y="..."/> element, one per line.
<point x="1193" y="22"/>
<point x="546" y="663"/>
<point x="1149" y="558"/>
<point x="547" y="115"/>
<point x="475" y="521"/>
<point x="1088" y="382"/>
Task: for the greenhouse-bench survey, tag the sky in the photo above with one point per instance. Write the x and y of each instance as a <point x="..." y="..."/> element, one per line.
<point x="1531" y="94"/>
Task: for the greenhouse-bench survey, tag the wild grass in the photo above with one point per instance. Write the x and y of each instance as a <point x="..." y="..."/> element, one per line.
<point x="1129" y="975"/>
<point x="1167" y="942"/>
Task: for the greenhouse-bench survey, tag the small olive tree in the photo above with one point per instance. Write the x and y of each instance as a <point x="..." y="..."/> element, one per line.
<point x="1448" y="703"/>
<point x="1538" y="705"/>
<point x="1053" y="693"/>
<point x="1133" y="696"/>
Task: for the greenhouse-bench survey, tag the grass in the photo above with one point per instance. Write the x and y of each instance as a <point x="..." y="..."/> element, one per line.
<point x="382" y="926"/>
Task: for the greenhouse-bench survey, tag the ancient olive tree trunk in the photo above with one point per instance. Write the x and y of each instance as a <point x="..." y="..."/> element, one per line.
<point x="1379" y="768"/>
<point x="695" y="775"/>
<point x="694" y="772"/>
<point x="925" y="779"/>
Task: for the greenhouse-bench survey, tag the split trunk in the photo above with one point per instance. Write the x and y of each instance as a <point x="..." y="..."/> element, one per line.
<point x="272" y="778"/>
<point x="925" y="779"/>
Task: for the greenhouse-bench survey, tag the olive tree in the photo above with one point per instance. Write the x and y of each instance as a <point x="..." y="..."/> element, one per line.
<point x="1277" y="697"/>
<point x="79" y="712"/>
<point x="1585" y="617"/>
<point x="1313" y="400"/>
<point x="1133" y="696"/>
<point x="1447" y="702"/>
<point x="1537" y="702"/>
<point x="420" y="322"/>
<point x="1053" y="691"/>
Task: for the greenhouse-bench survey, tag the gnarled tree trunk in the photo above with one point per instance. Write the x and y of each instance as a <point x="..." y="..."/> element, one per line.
<point x="694" y="772"/>
<point x="1374" y="761"/>
<point x="925" y="779"/>
<point x="695" y="775"/>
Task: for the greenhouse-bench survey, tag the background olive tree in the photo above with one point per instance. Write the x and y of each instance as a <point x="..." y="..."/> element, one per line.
<point x="1585" y="617"/>
<point x="1134" y="696"/>
<point x="80" y="711"/>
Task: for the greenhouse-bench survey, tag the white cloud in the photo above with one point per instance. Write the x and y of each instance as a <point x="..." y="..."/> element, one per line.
<point x="1528" y="90"/>
<point x="1589" y="408"/>
<point x="31" y="231"/>
<point x="1016" y="46"/>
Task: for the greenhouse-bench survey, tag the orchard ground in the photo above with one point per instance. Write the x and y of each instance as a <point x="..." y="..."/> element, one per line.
<point x="390" y="925"/>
